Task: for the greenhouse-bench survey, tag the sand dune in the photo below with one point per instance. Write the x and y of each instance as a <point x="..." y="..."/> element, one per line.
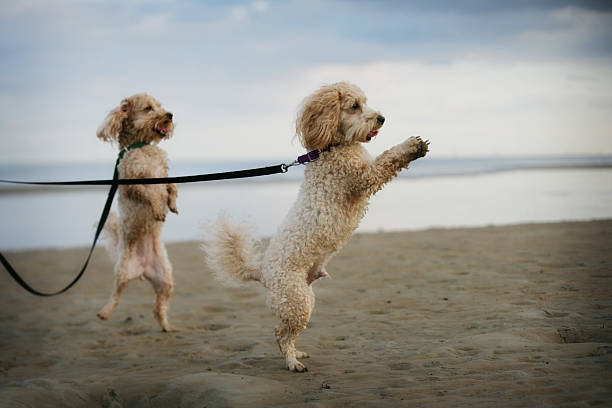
<point x="515" y="316"/>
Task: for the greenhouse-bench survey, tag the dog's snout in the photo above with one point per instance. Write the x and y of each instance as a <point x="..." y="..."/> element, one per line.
<point x="380" y="119"/>
<point x="169" y="115"/>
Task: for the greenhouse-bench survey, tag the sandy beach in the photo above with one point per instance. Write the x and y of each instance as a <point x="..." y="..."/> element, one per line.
<point x="515" y="316"/>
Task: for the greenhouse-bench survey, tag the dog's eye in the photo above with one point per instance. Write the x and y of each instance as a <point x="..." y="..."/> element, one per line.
<point x="149" y="108"/>
<point x="355" y="106"/>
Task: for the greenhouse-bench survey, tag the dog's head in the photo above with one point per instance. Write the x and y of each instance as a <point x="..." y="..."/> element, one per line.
<point x="139" y="118"/>
<point x="336" y="113"/>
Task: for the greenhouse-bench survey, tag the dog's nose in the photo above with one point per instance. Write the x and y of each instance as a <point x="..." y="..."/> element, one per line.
<point x="380" y="119"/>
<point x="169" y="116"/>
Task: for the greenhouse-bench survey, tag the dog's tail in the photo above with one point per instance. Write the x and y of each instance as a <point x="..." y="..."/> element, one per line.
<point x="232" y="253"/>
<point x="110" y="235"/>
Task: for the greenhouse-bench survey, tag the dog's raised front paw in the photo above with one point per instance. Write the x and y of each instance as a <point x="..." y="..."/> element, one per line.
<point x="423" y="147"/>
<point x="416" y="147"/>
<point x="159" y="216"/>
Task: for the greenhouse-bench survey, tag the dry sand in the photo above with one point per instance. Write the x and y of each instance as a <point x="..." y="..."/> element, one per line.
<point x="517" y="316"/>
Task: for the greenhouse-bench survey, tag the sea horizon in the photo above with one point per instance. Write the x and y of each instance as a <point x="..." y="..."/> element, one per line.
<point x="429" y="167"/>
<point x="432" y="193"/>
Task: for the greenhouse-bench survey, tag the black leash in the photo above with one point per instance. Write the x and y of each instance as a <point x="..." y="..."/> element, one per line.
<point x="116" y="182"/>
<point x="228" y="175"/>
<point x="101" y="222"/>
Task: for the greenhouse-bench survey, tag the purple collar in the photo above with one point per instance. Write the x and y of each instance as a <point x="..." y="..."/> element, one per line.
<point x="314" y="154"/>
<point x="308" y="157"/>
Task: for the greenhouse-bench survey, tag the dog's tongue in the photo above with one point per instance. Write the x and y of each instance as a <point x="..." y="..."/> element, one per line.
<point x="372" y="134"/>
<point x="162" y="130"/>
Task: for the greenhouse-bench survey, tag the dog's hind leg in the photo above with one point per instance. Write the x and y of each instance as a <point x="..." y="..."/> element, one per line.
<point x="127" y="269"/>
<point x="295" y="314"/>
<point x="160" y="276"/>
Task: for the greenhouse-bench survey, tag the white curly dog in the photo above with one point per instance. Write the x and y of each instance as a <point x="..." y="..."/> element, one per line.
<point x="333" y="198"/>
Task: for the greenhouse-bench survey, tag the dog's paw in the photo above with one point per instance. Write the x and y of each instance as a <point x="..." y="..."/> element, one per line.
<point x="301" y="354"/>
<point x="415" y="147"/>
<point x="159" y="216"/>
<point x="423" y="147"/>
<point x="296" y="366"/>
<point x="102" y="315"/>
<point x="169" y="329"/>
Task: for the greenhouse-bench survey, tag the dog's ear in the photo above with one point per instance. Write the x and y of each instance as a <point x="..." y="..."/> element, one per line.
<point x="111" y="127"/>
<point x="317" y="122"/>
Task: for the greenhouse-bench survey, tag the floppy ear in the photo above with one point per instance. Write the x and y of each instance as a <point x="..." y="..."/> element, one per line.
<point x="317" y="122"/>
<point x="111" y="127"/>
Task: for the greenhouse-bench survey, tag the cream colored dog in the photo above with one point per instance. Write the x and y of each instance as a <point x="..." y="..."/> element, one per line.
<point x="332" y="200"/>
<point x="135" y="243"/>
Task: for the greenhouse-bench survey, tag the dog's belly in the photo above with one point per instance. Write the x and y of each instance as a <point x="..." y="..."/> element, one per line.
<point x="310" y="235"/>
<point x="136" y="220"/>
<point x="144" y="249"/>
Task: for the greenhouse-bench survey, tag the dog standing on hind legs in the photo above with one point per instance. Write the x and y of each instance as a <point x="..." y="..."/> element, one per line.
<point x="134" y="240"/>
<point x="333" y="198"/>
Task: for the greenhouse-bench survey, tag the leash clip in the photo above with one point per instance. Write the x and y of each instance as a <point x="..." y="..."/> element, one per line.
<point x="285" y="167"/>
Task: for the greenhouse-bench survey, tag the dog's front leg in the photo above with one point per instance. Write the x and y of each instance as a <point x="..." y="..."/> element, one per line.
<point x="172" y="196"/>
<point x="372" y="177"/>
<point x="147" y="195"/>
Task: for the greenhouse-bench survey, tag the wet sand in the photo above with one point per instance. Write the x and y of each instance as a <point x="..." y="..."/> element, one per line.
<point x="514" y="316"/>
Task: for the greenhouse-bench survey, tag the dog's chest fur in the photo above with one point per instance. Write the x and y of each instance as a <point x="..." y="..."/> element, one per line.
<point x="147" y="161"/>
<point x="327" y="211"/>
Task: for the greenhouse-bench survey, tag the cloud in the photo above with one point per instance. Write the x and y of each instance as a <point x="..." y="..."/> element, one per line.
<point x="484" y="6"/>
<point x="260" y="6"/>
<point x="238" y="69"/>
<point x="477" y="107"/>
<point x="467" y="108"/>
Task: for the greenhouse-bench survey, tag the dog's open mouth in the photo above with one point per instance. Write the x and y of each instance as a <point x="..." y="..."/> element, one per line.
<point x="161" y="130"/>
<point x="371" y="135"/>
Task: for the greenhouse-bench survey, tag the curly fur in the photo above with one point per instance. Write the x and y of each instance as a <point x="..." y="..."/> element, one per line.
<point x="333" y="198"/>
<point x="134" y="237"/>
<point x="233" y="257"/>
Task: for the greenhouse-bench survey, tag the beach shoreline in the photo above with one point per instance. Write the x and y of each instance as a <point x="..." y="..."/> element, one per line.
<point x="509" y="316"/>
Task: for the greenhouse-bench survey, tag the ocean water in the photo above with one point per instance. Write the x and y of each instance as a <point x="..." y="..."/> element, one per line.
<point x="433" y="193"/>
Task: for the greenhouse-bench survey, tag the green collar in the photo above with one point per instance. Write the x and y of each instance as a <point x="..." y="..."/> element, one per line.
<point x="137" y="145"/>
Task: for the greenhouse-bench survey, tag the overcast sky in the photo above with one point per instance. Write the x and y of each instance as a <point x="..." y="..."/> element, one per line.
<point x="475" y="77"/>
